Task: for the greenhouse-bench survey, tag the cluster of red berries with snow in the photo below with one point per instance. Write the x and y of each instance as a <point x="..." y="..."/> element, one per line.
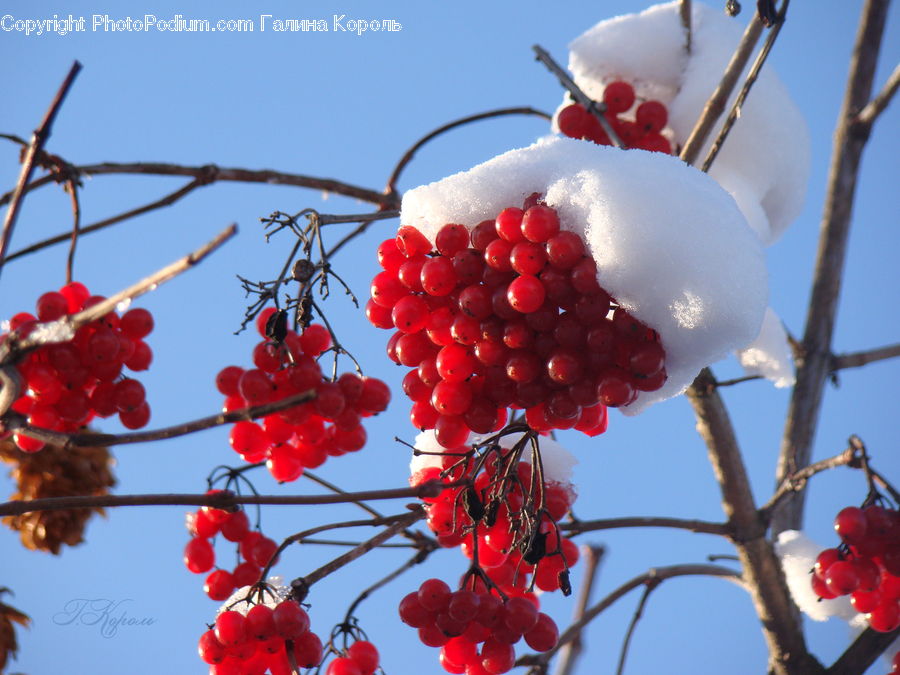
<point x="508" y="315"/>
<point x="69" y="383"/>
<point x="642" y="131"/>
<point x="305" y="435"/>
<point x="256" y="640"/>
<point x="256" y="550"/>
<point x="459" y="621"/>
<point x="866" y="566"/>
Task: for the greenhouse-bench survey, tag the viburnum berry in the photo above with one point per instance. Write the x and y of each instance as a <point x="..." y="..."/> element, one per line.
<point x="291" y="620"/>
<point x="199" y="556"/>
<point x="365" y="655"/>
<point x="231" y="628"/>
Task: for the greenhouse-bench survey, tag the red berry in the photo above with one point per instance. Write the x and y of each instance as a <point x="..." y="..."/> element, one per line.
<point x="434" y="595"/>
<point x="291" y="620"/>
<point x="850" y="524"/>
<point x="231" y="628"/>
<point x="618" y="96"/>
<point x="219" y="585"/>
<point x="199" y="556"/>
<point x="261" y="622"/>
<point x="136" y="323"/>
<point x="540" y="223"/>
<point x="365" y="654"/>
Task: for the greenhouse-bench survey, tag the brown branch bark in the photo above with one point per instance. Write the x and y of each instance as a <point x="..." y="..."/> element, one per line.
<point x="211" y="173"/>
<point x="763" y="574"/>
<point x="876" y="106"/>
<point x="815" y="364"/>
<point x="41" y="134"/>
<point x="572" y="651"/>
<point x="797" y="480"/>
<point x="715" y="106"/>
<point x="859" y="359"/>
<point x="220" y="500"/>
<point x="863" y="652"/>
<point x="658" y="574"/>
<point x="581" y="526"/>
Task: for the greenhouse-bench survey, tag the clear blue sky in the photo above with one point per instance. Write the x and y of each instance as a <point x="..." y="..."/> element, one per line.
<point x="347" y="106"/>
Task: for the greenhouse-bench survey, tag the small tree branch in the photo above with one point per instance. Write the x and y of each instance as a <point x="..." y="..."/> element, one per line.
<point x="649" y="587"/>
<point x="859" y="359"/>
<point x="67" y="441"/>
<point x="592" y="555"/>
<point x="408" y="155"/>
<point x="797" y="480"/>
<point x="684" y="12"/>
<point x="750" y="80"/>
<point x="716" y="103"/>
<point x="862" y="653"/>
<point x="581" y="526"/>
<point x="658" y="574"/>
<point x="41" y="134"/>
<point x="72" y="187"/>
<point x="815" y="365"/>
<point x="594" y="108"/>
<point x="64" y="329"/>
<point x="167" y="200"/>
<point x="227" y="501"/>
<point x="876" y="106"/>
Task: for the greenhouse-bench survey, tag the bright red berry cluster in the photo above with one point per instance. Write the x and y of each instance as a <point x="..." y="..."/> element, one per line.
<point x="509" y="526"/>
<point x="360" y="658"/>
<point x="459" y="621"/>
<point x="642" y="131"/>
<point x="866" y="566"/>
<point x="508" y="315"/>
<point x="305" y="435"/>
<point x="255" y="642"/>
<point x="69" y="383"/>
<point x="256" y="550"/>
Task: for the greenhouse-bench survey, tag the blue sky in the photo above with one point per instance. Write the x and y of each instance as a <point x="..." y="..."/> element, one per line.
<point x="347" y="106"/>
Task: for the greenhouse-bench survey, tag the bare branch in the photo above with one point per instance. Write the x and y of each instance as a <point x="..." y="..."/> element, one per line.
<point x="408" y="155"/>
<point x="593" y="107"/>
<point x="684" y="12"/>
<point x="863" y="652"/>
<point x="94" y="439"/>
<point x="814" y="368"/>
<point x="212" y="174"/>
<point x="659" y="574"/>
<point x="750" y="80"/>
<point x="797" y="480"/>
<point x="763" y="574"/>
<point x="41" y="134"/>
<point x="859" y="359"/>
<point x="876" y="106"/>
<point x="649" y="587"/>
<point x="581" y="526"/>
<point x="716" y="103"/>
<point x="167" y="200"/>
<point x="72" y="188"/>
<point x="227" y="501"/>
<point x="592" y="555"/>
<point x="73" y="322"/>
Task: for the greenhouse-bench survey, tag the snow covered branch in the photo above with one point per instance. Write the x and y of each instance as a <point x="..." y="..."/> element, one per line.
<point x="815" y="365"/>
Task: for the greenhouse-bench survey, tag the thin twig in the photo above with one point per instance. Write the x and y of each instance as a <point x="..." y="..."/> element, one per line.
<point x="580" y="526"/>
<point x="41" y="134"/>
<point x="72" y="188"/>
<point x="214" y="174"/>
<point x="227" y="501"/>
<point x="649" y="587"/>
<point x="859" y="359"/>
<point x="594" y="108"/>
<point x="363" y="226"/>
<point x="716" y="103"/>
<point x="797" y="480"/>
<point x="417" y="559"/>
<point x="64" y="329"/>
<point x="417" y="513"/>
<point x="684" y="12"/>
<point x="749" y="81"/>
<point x="408" y="155"/>
<point x="815" y="366"/>
<point x="592" y="555"/>
<point x="658" y="573"/>
<point x="876" y="106"/>
<point x="738" y="380"/>
<point x="167" y="200"/>
<point x="67" y="441"/>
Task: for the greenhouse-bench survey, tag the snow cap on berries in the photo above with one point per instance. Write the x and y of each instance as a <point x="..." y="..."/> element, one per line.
<point x="764" y="163"/>
<point x="556" y="461"/>
<point x="798" y="553"/>
<point x="670" y="245"/>
<point x="769" y="354"/>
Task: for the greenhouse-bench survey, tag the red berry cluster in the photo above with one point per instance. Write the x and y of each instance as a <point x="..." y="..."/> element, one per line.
<point x="866" y="566"/>
<point x="642" y="131"/>
<point x="69" y="383"/>
<point x="256" y="642"/>
<point x="200" y="557"/>
<point x="459" y="621"/>
<point x="360" y="658"/>
<point x="305" y="435"/>
<point x="508" y="315"/>
<point x="497" y="520"/>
